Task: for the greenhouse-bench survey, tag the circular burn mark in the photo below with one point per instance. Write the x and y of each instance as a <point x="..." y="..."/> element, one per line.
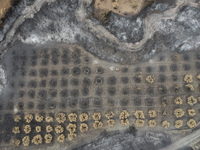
<point x="175" y="88"/>
<point x="23" y="62"/>
<point x="64" y="55"/>
<point x="137" y="90"/>
<point x="149" y="69"/>
<point x="43" y="72"/>
<point x="186" y="57"/>
<point x="21" y="84"/>
<point x="66" y="51"/>
<point x="64" y="71"/>
<point x="21" y="93"/>
<point x="188" y="88"/>
<point x="197" y="64"/>
<point x="198" y="55"/>
<point x="86" y="70"/>
<point x="30" y="105"/>
<point x="52" y="105"/>
<point x="21" y="105"/>
<point x="32" y="84"/>
<point x="43" y="83"/>
<point x="124" y="102"/>
<point x="87" y="60"/>
<point x="74" y="82"/>
<point x="162" y="68"/>
<point x="85" y="91"/>
<point x="76" y="61"/>
<point x="97" y="102"/>
<point x="33" y="63"/>
<point x="13" y="73"/>
<point x="76" y="54"/>
<point x="14" y="53"/>
<point x="163" y="100"/>
<point x="53" y="93"/>
<point x="110" y="102"/>
<point x="100" y="70"/>
<point x="98" y="80"/>
<point x="138" y="69"/>
<point x="150" y="90"/>
<point x="84" y="103"/>
<point x="174" y="58"/>
<point x="74" y="93"/>
<point x="53" y="83"/>
<point x="64" y="93"/>
<point x="124" y="80"/>
<point x="73" y="103"/>
<point x="54" y="72"/>
<point x="137" y="101"/>
<point x="161" y="58"/>
<point x="12" y="84"/>
<point x="45" y="56"/>
<point x="65" y="60"/>
<point x="31" y="94"/>
<point x="99" y="91"/>
<point x="162" y="78"/>
<point x="125" y="91"/>
<point x="55" y="53"/>
<point x="63" y="82"/>
<point x="23" y="72"/>
<point x="174" y="67"/>
<point x="41" y="106"/>
<point x="76" y="71"/>
<point x="33" y="52"/>
<point x="44" y="62"/>
<point x="186" y="67"/>
<point x="42" y="94"/>
<point x="124" y="70"/>
<point x="54" y="61"/>
<point x="111" y="91"/>
<point x="77" y="51"/>
<point x="138" y="78"/>
<point x="112" y="80"/>
<point x="33" y="73"/>
<point x="10" y="106"/>
<point x="62" y="105"/>
<point x="149" y="101"/>
<point x="86" y="82"/>
<point x="174" y="77"/>
<point x="162" y="89"/>
<point x="11" y="95"/>
<point x="1" y="107"/>
<point x="34" y="57"/>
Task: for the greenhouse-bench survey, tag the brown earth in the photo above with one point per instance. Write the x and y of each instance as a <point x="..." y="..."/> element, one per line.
<point x="125" y="8"/>
<point x="5" y="5"/>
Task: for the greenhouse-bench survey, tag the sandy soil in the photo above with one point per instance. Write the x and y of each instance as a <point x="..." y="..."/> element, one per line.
<point x="4" y="7"/>
<point x="122" y="7"/>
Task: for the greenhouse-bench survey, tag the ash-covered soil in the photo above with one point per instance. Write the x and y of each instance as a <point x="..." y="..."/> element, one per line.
<point x="129" y="141"/>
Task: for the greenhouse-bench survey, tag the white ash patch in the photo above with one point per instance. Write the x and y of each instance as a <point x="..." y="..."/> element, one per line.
<point x="2" y="79"/>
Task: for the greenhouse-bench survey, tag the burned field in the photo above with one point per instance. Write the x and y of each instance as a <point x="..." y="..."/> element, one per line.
<point x="60" y="93"/>
<point x="97" y="74"/>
